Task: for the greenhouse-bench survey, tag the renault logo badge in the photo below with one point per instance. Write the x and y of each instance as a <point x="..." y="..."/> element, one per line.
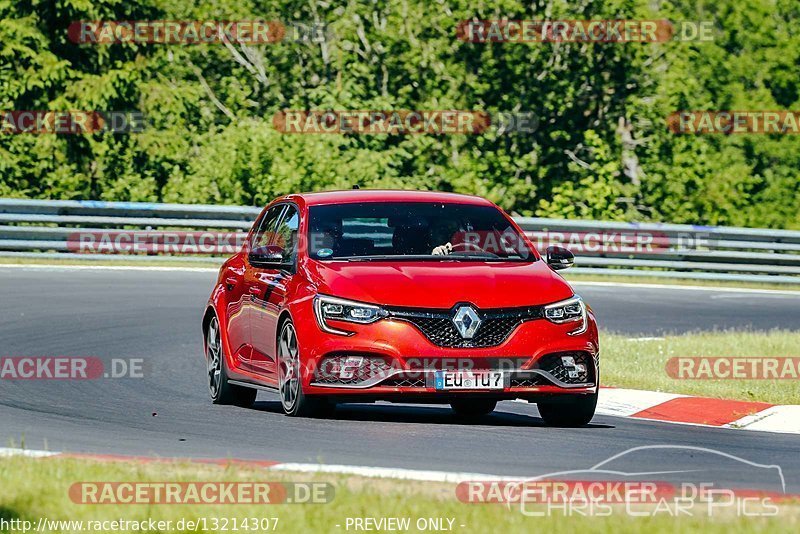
<point x="467" y="321"/>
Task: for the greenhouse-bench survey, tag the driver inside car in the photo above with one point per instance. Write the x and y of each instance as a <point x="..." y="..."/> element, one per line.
<point x="443" y="231"/>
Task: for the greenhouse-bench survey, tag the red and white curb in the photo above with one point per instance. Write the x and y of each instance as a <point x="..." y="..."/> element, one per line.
<point x="704" y="411"/>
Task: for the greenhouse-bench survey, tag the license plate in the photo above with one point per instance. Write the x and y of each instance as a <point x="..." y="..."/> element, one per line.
<point x="468" y="380"/>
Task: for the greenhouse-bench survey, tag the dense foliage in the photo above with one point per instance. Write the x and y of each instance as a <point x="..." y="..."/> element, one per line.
<point x="601" y="150"/>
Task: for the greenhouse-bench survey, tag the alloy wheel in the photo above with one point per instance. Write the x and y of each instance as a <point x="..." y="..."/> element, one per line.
<point x="214" y="357"/>
<point x="289" y="367"/>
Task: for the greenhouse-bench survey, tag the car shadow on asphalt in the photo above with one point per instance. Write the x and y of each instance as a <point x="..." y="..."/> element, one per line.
<point x="410" y="413"/>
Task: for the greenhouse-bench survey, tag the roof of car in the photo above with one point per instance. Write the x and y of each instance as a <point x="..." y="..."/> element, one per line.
<point x="385" y="195"/>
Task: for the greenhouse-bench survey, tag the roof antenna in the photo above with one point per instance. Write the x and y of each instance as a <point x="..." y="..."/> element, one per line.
<point x="355" y="186"/>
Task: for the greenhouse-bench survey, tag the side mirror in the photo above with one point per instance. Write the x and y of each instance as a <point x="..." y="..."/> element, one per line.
<point x="559" y="258"/>
<point x="266" y="256"/>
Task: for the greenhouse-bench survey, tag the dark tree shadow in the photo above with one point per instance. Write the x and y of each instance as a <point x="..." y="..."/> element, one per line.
<point x="421" y="414"/>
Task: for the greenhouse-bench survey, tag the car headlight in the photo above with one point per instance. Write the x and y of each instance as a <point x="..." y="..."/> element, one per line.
<point x="572" y="310"/>
<point x="332" y="308"/>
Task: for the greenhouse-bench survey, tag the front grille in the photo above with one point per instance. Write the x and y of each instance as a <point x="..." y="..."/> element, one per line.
<point x="581" y="373"/>
<point x="330" y="370"/>
<point x="438" y="326"/>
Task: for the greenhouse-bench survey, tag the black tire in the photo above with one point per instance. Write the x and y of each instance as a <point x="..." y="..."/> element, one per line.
<point x="222" y="391"/>
<point x="578" y="411"/>
<point x="294" y="401"/>
<point x="473" y="408"/>
<point x="314" y="407"/>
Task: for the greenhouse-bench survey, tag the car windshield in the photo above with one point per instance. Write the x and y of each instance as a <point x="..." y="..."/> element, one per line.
<point x="419" y="231"/>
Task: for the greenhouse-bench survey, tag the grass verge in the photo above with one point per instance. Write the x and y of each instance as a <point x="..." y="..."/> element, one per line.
<point x="36" y="488"/>
<point x="640" y="363"/>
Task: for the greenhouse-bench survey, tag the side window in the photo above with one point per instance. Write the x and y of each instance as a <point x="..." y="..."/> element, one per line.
<point x="266" y="231"/>
<point x="286" y="234"/>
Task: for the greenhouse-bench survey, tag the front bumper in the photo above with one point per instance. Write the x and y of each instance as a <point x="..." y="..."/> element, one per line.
<point x="400" y="362"/>
<point x="567" y="370"/>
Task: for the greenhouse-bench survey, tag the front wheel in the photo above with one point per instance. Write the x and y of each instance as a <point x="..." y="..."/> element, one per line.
<point x="578" y="411"/>
<point x="223" y="392"/>
<point x="472" y="408"/>
<point x="293" y="401"/>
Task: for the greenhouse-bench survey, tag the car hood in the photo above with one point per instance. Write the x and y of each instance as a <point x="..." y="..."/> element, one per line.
<point x="440" y="284"/>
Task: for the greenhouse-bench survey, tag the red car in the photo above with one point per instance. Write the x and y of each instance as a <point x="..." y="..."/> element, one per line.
<point x="358" y="296"/>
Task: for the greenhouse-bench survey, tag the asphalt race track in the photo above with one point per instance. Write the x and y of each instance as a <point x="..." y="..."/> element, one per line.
<point x="154" y="315"/>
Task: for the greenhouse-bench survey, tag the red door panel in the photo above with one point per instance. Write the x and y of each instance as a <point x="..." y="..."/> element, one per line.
<point x="236" y="315"/>
<point x="268" y="289"/>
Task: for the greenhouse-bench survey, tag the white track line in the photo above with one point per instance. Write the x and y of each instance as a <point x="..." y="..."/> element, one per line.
<point x="4" y="451"/>
<point x="687" y="288"/>
<point x="365" y="471"/>
<point x="783" y="419"/>
<point x="389" y="472"/>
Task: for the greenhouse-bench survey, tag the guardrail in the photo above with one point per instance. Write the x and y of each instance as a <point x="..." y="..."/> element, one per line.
<point x="52" y="229"/>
